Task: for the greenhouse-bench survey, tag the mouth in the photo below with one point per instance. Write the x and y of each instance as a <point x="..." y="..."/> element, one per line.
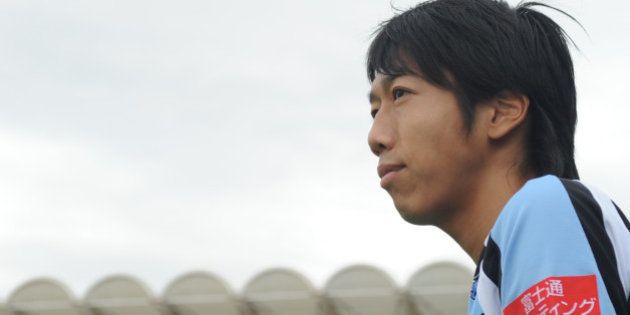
<point x="387" y="172"/>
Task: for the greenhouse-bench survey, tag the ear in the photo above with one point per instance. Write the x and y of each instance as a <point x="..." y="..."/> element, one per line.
<point x="508" y="111"/>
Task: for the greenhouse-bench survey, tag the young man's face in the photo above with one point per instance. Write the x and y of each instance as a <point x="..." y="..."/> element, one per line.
<point x="427" y="159"/>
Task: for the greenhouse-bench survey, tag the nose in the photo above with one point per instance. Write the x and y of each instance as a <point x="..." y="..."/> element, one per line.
<point x="381" y="135"/>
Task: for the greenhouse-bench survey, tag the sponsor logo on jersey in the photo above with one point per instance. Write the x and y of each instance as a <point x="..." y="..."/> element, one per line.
<point x="558" y="296"/>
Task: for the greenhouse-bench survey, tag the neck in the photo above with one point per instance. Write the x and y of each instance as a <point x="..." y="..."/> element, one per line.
<point x="478" y="213"/>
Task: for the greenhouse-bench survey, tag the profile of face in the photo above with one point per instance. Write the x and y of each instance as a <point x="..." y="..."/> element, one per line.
<point x="427" y="156"/>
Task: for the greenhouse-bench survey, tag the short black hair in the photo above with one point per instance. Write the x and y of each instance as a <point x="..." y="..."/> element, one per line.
<point x="480" y="48"/>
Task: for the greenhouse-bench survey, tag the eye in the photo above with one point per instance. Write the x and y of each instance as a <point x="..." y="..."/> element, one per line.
<point x="373" y="113"/>
<point x="398" y="93"/>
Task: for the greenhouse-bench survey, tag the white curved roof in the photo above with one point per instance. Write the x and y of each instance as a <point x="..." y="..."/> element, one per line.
<point x="282" y="292"/>
<point x="364" y="289"/>
<point x="200" y="292"/>
<point x="440" y="288"/>
<point x="121" y="294"/>
<point x="43" y="296"/>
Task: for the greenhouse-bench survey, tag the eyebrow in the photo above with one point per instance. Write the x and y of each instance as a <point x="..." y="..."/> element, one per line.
<point x="387" y="82"/>
<point x="373" y="97"/>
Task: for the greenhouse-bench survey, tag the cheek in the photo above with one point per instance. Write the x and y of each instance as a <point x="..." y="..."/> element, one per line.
<point x="430" y="149"/>
<point x="437" y="158"/>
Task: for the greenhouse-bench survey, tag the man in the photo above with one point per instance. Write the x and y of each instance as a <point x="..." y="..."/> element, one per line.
<point x="474" y="109"/>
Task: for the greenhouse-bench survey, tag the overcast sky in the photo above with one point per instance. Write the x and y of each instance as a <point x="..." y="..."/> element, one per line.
<point x="158" y="137"/>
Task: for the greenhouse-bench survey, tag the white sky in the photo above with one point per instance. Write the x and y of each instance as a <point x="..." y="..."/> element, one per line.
<point x="158" y="137"/>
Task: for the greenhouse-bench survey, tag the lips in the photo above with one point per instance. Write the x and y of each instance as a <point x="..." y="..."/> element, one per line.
<point x="384" y="169"/>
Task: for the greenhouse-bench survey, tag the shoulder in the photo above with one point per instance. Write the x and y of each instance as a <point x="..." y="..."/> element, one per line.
<point x="541" y="205"/>
<point x="556" y="227"/>
<point x="549" y="212"/>
<point x="552" y="205"/>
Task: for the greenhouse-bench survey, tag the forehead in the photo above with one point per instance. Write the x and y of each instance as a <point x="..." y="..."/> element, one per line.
<point x="381" y="79"/>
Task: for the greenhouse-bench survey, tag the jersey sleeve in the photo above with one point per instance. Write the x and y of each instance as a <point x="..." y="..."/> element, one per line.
<point x="549" y="253"/>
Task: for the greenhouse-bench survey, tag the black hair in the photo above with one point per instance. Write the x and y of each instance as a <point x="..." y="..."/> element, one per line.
<point x="480" y="48"/>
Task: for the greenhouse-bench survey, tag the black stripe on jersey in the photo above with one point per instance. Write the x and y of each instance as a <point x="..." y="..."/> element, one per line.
<point x="592" y="220"/>
<point x="627" y="224"/>
<point x="492" y="262"/>
<point x="623" y="217"/>
<point x="473" y="288"/>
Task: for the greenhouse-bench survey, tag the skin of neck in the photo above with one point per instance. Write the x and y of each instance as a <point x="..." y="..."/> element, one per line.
<point x="496" y="183"/>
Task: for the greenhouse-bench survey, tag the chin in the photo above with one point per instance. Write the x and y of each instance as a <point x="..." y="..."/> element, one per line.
<point x="415" y="216"/>
<point x="414" y="209"/>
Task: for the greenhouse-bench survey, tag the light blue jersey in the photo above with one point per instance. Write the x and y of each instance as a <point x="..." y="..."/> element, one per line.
<point x="558" y="247"/>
